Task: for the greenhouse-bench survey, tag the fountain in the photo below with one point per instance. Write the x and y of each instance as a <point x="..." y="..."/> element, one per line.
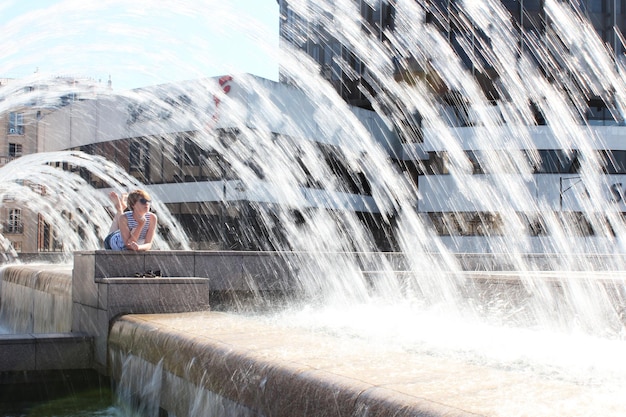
<point x="546" y="320"/>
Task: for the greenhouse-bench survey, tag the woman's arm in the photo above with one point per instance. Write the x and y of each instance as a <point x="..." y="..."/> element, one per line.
<point x="124" y="230"/>
<point x="130" y="236"/>
<point x="147" y="245"/>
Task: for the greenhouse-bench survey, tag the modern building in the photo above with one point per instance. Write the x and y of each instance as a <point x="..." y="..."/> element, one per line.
<point x="317" y="33"/>
<point x="456" y="144"/>
<point x="173" y="138"/>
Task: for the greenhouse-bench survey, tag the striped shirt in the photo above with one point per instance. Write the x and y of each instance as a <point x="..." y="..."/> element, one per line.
<point x="132" y="224"/>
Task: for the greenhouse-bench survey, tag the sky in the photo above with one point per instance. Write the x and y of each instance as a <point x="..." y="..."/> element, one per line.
<point x="140" y="42"/>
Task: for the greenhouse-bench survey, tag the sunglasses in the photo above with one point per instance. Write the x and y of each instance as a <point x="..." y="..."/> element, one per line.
<point x="144" y="201"/>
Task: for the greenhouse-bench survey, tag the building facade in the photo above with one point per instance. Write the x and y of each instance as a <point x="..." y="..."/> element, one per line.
<point x="174" y="139"/>
<point x="23" y="103"/>
<point x="457" y="141"/>
<point x="342" y="66"/>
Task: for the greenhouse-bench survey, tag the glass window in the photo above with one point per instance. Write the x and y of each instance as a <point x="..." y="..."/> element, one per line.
<point x="192" y="153"/>
<point x="14" y="224"/>
<point x="597" y="6"/>
<point x="555" y="161"/>
<point x="467" y="223"/>
<point x="16" y="123"/>
<point x="531" y="5"/>
<point x="327" y="62"/>
<point x="367" y="11"/>
<point x="315" y="53"/>
<point x="139" y="157"/>
<point x="476" y="159"/>
<point x="336" y="69"/>
<point x="513" y="6"/>
<point x="372" y="13"/>
<point x="613" y="162"/>
<point x="437" y="163"/>
<point x="15" y="150"/>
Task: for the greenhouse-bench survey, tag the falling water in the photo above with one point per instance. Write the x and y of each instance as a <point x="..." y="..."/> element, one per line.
<point x="64" y="199"/>
<point x="430" y="307"/>
<point x="564" y="322"/>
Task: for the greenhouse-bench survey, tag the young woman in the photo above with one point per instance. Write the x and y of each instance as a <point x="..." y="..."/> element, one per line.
<point x="136" y="226"/>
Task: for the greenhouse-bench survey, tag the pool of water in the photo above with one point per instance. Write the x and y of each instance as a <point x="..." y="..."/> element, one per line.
<point x="82" y="405"/>
<point x="58" y="394"/>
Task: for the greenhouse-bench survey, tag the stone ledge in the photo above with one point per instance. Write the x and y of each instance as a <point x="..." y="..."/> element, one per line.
<point x="155" y="280"/>
<point x="227" y="270"/>
<point x="98" y="299"/>
<point x="280" y="371"/>
<point x="261" y="368"/>
<point x="45" y="351"/>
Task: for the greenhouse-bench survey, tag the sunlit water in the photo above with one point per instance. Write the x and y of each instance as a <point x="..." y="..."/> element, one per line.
<point x="576" y="356"/>
<point x="576" y="334"/>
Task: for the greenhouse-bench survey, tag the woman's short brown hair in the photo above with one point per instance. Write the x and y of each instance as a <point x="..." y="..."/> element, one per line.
<point x="134" y="196"/>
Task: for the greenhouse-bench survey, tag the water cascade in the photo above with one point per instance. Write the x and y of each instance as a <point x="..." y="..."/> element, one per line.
<point x="563" y="318"/>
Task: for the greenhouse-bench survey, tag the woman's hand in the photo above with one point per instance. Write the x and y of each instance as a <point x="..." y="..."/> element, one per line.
<point x="132" y="245"/>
